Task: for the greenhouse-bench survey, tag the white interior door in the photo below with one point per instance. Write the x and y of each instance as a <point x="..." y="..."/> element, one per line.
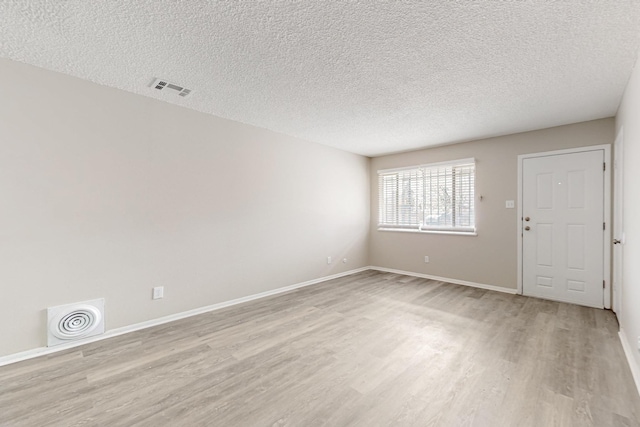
<point x="562" y="227"/>
<point x="618" y="224"/>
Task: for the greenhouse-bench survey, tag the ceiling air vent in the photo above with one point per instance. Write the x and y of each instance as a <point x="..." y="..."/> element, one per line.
<point x="164" y="85"/>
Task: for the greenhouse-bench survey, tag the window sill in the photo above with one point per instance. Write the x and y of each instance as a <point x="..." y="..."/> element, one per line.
<point x="445" y="232"/>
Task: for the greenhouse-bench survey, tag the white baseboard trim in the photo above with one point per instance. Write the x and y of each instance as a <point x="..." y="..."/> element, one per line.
<point x="628" y="351"/>
<point x="41" y="351"/>
<point x="448" y="280"/>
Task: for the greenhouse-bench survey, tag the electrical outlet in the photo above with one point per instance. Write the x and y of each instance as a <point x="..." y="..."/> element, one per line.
<point x="344" y="260"/>
<point x="328" y="260"/>
<point x="158" y="292"/>
<point x="426" y="259"/>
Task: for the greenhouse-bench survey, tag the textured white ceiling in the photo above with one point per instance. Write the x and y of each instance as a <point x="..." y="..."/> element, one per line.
<point x="370" y="77"/>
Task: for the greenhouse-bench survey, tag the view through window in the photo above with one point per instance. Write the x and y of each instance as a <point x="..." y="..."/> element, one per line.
<point x="428" y="197"/>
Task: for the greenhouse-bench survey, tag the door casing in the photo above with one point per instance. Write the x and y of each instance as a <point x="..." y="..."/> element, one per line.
<point x="618" y="223"/>
<point x="607" y="212"/>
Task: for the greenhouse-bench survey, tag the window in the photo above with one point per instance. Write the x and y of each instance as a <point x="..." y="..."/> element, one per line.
<point x="435" y="197"/>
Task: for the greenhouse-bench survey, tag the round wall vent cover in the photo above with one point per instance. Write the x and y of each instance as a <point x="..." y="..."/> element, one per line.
<point x="75" y="321"/>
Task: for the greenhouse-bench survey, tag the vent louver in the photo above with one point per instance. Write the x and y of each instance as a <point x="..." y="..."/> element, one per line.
<point x="161" y="84"/>
<point x="73" y="322"/>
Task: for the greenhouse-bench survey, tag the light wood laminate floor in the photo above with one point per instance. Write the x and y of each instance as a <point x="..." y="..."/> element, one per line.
<point x="370" y="349"/>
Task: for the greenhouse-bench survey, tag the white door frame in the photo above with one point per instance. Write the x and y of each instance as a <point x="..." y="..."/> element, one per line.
<point x="618" y="218"/>
<point x="607" y="212"/>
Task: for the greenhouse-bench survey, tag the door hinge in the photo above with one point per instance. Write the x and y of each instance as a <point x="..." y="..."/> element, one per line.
<point x="603" y="284"/>
<point x="604" y="226"/>
<point x="604" y="166"/>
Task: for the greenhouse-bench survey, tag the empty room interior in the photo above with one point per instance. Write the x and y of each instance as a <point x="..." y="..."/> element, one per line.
<point x="300" y="213"/>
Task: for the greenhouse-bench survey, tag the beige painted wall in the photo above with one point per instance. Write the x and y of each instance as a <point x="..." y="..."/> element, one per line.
<point x="628" y="118"/>
<point x="107" y="194"/>
<point x="489" y="258"/>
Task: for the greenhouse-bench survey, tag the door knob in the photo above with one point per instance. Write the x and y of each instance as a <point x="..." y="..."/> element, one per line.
<point x="616" y="241"/>
<point x="527" y="218"/>
<point x="527" y="228"/>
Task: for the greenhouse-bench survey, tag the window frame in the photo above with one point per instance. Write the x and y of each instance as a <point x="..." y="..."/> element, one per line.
<point x="419" y="225"/>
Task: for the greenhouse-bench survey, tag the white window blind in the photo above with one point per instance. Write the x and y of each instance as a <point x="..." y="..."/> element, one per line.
<point x="428" y="197"/>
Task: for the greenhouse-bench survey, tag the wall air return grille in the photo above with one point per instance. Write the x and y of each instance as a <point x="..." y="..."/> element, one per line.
<point x="164" y="85"/>
<point x="73" y="322"/>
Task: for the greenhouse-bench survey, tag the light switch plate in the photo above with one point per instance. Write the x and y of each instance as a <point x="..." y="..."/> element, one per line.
<point x="158" y="292"/>
<point x="510" y="204"/>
